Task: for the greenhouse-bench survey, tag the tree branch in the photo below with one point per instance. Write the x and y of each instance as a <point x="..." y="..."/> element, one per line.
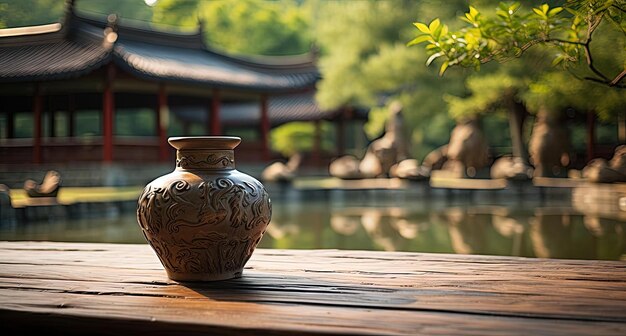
<point x="590" y="31"/>
<point x="619" y="8"/>
<point x="618" y="78"/>
<point x="592" y="67"/>
<point x="593" y="79"/>
<point x="552" y="40"/>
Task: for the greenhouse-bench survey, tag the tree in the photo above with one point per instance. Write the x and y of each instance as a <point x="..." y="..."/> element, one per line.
<point x="569" y="29"/>
<point x="134" y="10"/>
<point x="18" y="13"/>
<point x="245" y="27"/>
<point x="364" y="62"/>
<point x="562" y="34"/>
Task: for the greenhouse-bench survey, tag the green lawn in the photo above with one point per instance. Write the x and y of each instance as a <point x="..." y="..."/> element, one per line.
<point x="69" y="195"/>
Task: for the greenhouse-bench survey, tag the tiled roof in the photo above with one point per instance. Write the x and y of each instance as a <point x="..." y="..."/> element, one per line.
<point x="85" y="44"/>
<point x="48" y="55"/>
<point x="160" y="62"/>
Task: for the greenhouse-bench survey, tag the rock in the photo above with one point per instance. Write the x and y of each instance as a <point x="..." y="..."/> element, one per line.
<point x="371" y="165"/>
<point x="511" y="168"/>
<point x="49" y="186"/>
<point x="468" y="147"/>
<point x="282" y="172"/>
<point x="549" y="146"/>
<point x="601" y="171"/>
<point x="436" y="159"/>
<point x="381" y="154"/>
<point x="345" y="167"/>
<point x="409" y="169"/>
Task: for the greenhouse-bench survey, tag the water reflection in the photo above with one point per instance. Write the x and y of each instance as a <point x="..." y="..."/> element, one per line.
<point x="517" y="229"/>
<point x="529" y="230"/>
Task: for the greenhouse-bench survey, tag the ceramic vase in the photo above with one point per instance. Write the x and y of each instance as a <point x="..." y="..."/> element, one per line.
<point x="204" y="219"/>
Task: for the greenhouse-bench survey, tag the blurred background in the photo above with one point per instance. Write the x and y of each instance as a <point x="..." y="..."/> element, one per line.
<point x="360" y="143"/>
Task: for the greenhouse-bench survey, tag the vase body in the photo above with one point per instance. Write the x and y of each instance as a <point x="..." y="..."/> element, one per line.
<point x="204" y="219"/>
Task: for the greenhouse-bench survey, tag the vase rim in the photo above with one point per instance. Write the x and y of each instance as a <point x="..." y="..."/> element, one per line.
<point x="204" y="142"/>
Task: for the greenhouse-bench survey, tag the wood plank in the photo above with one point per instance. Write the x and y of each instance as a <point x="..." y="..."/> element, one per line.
<point x="309" y="292"/>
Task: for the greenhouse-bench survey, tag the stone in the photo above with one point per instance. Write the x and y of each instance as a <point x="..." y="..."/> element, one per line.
<point x="602" y="171"/>
<point x="549" y="145"/>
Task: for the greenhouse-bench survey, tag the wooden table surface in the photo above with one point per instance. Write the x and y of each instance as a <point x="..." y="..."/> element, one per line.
<point x="122" y="289"/>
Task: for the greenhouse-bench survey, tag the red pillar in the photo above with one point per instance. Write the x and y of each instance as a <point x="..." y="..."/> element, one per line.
<point x="37" y="110"/>
<point x="162" y="118"/>
<point x="51" y="122"/>
<point x="108" y="106"/>
<point x="215" y="122"/>
<point x="591" y="136"/>
<point x="265" y="129"/>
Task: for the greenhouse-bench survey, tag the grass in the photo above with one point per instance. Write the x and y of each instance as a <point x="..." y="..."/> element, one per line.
<point x="70" y="195"/>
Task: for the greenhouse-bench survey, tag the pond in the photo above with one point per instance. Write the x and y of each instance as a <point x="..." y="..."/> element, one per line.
<point x="528" y="227"/>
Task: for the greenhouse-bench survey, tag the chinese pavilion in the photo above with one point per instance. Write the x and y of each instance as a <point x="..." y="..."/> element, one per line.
<point x="82" y="90"/>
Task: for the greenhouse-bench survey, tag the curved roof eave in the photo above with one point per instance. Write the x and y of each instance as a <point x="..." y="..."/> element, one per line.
<point x="75" y="73"/>
<point x="211" y="73"/>
<point x="81" y="45"/>
<point x="141" y="32"/>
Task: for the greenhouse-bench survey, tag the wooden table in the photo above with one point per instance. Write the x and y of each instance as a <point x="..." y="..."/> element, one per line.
<point x="122" y="289"/>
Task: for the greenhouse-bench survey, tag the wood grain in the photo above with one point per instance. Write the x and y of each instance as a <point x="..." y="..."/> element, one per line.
<point x="117" y="288"/>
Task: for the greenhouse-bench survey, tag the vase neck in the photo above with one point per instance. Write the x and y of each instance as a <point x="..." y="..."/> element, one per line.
<point x="205" y="159"/>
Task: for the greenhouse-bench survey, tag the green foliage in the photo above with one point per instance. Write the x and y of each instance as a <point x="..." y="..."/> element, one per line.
<point x="486" y="92"/>
<point x="556" y="91"/>
<point x="298" y="137"/>
<point x="430" y="133"/>
<point x="364" y="62"/>
<point x="354" y="37"/>
<point x="126" y="9"/>
<point x="375" y="125"/>
<point x="568" y="30"/>
<point x="245" y="26"/>
<point x="19" y="13"/>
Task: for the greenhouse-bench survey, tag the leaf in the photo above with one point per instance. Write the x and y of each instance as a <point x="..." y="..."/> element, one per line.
<point x="432" y="58"/>
<point x="422" y="27"/>
<point x="514" y="6"/>
<point x="443" y="68"/>
<point x="554" y="11"/>
<point x="473" y="11"/>
<point x="437" y="33"/>
<point x="577" y="20"/>
<point x="558" y="60"/>
<point x="434" y="25"/>
<point x="502" y="14"/>
<point x="418" y="40"/>
<point x="544" y="8"/>
<point x="539" y="12"/>
<point x="444" y="30"/>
